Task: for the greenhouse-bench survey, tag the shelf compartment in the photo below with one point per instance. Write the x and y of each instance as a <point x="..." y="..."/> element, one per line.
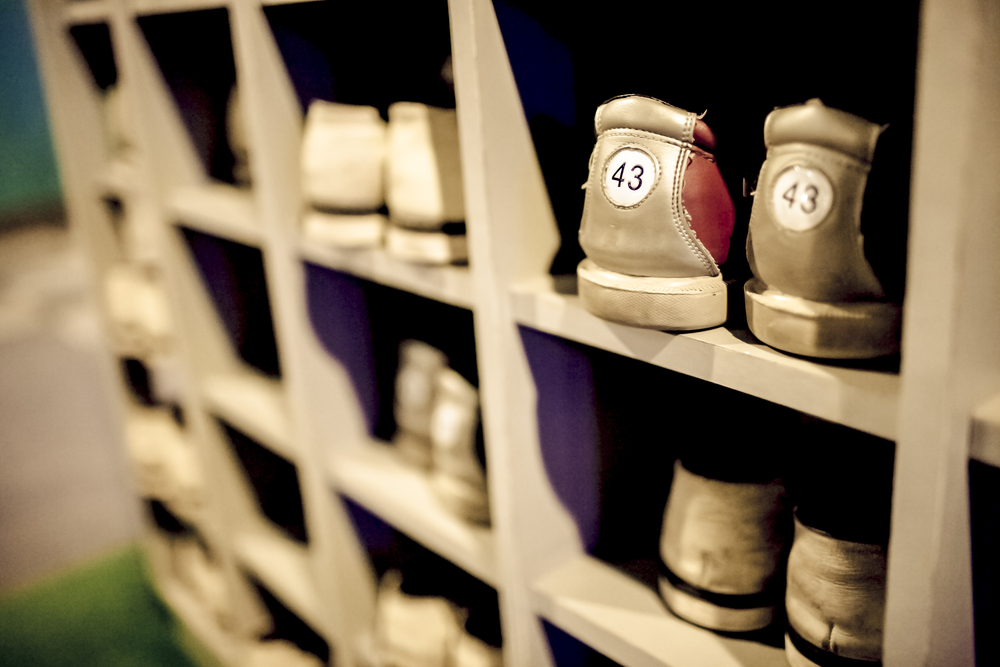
<point x="404" y="61"/>
<point x="285" y="568"/>
<point x="274" y="482"/>
<point x="424" y="572"/>
<point x="447" y="284"/>
<point x="362" y="324"/>
<point x="373" y="476"/>
<point x="233" y="274"/>
<point x="218" y="209"/>
<point x="626" y="621"/>
<point x="193" y="50"/>
<point x="865" y="400"/>
<point x="254" y="404"/>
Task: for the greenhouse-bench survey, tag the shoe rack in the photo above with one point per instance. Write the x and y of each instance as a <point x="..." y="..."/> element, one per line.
<point x="279" y="360"/>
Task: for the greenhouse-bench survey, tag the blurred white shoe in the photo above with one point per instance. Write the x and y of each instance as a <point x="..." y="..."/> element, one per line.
<point x="413" y="631"/>
<point x="204" y="578"/>
<point x="419" y="365"/>
<point x="138" y="310"/>
<point x="237" y="135"/>
<point x="457" y="475"/>
<point x="343" y="160"/>
<point x="424" y="185"/>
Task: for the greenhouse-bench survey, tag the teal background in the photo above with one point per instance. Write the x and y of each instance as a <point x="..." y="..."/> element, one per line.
<point x="29" y="176"/>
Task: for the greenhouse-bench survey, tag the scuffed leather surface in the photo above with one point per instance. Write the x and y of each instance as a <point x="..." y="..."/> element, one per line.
<point x="826" y="263"/>
<point x="656" y="237"/>
<point x="708" y="202"/>
<point x="652" y="238"/>
<point x="814" y="123"/>
<point x="645" y="113"/>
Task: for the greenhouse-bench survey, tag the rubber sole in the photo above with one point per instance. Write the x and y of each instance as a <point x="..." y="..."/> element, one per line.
<point x="713" y="616"/>
<point x="344" y="230"/>
<point x="667" y="304"/>
<point x="850" y="330"/>
<point x="426" y="247"/>
<point x="817" y="657"/>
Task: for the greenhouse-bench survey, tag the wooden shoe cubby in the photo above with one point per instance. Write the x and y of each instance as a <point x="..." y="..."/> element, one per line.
<point x="284" y="350"/>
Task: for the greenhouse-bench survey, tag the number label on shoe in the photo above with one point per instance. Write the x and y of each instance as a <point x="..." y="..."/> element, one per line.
<point x="629" y="176"/>
<point x="801" y="198"/>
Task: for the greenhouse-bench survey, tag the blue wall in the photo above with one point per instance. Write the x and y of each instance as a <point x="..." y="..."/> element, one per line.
<point x="29" y="176"/>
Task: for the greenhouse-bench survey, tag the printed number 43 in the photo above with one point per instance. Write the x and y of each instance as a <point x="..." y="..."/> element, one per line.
<point x="808" y="201"/>
<point x="634" y="182"/>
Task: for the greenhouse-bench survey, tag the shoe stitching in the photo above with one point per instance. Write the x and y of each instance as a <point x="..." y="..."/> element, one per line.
<point x="643" y="134"/>
<point x="597" y="119"/>
<point x="828" y="154"/>
<point x="685" y="231"/>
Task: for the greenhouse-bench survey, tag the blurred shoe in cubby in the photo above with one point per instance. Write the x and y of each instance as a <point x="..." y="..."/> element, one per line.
<point x="457" y="474"/>
<point x="413" y="405"/>
<point x="424" y="185"/>
<point x="835" y="600"/>
<point x="343" y="165"/>
<point x="414" y="631"/>
<point x="362" y="230"/>
<point x="165" y="464"/>
<point x="138" y="310"/>
<point x="723" y="547"/>
<point x="473" y="652"/>
<point x="204" y="578"/>
<point x="657" y="219"/>
<point x="237" y="135"/>
<point x="119" y="142"/>
<point x="814" y="292"/>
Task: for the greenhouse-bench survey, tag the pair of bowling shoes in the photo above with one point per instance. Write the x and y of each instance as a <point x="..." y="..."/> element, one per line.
<point x="353" y="163"/>
<point x="658" y="218"/>
<point x="732" y="553"/>
<point x="420" y="631"/>
<point x="437" y="418"/>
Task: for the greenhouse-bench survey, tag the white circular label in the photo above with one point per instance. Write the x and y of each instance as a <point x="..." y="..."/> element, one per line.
<point x="801" y="198"/>
<point x="629" y="175"/>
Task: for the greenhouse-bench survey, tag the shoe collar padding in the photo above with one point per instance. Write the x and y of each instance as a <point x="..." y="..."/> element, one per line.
<point x="816" y="123"/>
<point x="651" y="115"/>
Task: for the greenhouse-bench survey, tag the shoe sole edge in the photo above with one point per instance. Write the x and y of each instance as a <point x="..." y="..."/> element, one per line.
<point x="849" y="330"/>
<point x="666" y="304"/>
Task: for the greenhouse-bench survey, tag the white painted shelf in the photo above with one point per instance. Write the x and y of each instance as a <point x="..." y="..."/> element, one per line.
<point x="86" y="11"/>
<point x="861" y="399"/>
<point x="626" y="621"/>
<point x="285" y="568"/>
<point x="255" y="405"/>
<point x="372" y="475"/>
<point x="218" y="209"/>
<point x="448" y="284"/>
<point x="985" y="445"/>
<point x="170" y="6"/>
